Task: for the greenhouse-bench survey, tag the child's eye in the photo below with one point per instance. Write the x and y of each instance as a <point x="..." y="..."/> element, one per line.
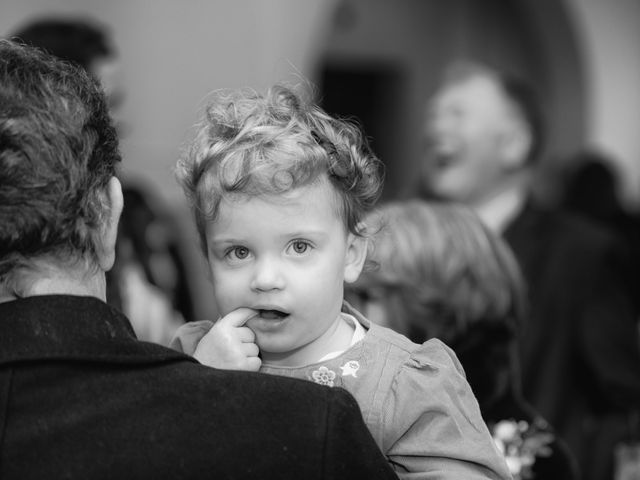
<point x="300" y="246"/>
<point x="238" y="253"/>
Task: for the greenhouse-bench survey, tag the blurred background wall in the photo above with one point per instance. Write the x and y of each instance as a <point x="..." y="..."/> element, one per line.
<point x="377" y="60"/>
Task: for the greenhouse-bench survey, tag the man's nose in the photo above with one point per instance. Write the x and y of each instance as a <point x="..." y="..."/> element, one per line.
<point x="439" y="123"/>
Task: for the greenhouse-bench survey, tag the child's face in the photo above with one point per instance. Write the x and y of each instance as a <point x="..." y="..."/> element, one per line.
<point x="287" y="258"/>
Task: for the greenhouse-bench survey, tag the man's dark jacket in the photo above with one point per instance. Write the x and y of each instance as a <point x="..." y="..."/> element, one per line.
<point x="580" y="353"/>
<point x="81" y="398"/>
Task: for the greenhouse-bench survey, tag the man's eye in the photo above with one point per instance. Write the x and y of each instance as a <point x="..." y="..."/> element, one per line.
<point x="300" y="246"/>
<point x="239" y="252"/>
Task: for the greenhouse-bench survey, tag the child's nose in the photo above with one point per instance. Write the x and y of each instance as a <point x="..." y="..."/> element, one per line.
<point x="267" y="275"/>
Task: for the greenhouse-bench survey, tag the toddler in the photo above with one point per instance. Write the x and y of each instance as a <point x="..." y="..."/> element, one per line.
<point x="278" y="189"/>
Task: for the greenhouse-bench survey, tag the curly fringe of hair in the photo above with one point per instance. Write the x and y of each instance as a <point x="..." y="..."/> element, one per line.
<point x="253" y="144"/>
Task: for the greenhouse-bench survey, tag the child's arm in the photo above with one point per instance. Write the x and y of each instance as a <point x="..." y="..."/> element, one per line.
<point x="227" y="343"/>
<point x="433" y="424"/>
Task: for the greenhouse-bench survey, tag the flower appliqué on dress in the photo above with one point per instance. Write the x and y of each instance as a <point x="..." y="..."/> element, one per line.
<point x="520" y="443"/>
<point x="350" y="368"/>
<point x="324" y="376"/>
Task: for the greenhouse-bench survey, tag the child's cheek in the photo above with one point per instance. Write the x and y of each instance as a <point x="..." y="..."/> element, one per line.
<point x="229" y="294"/>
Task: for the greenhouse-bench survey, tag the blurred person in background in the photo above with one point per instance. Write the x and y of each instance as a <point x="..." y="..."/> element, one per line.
<point x="148" y="281"/>
<point x="82" y="41"/>
<point x="580" y="357"/>
<point x="591" y="189"/>
<point x="440" y="273"/>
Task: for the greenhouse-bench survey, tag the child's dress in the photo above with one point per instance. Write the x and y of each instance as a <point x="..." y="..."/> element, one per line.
<point x="414" y="399"/>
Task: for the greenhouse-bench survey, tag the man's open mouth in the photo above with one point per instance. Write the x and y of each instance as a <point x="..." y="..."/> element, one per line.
<point x="444" y="160"/>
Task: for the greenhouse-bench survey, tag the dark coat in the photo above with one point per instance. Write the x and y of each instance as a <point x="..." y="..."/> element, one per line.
<point x="486" y="351"/>
<point x="81" y="398"/>
<point x="580" y="349"/>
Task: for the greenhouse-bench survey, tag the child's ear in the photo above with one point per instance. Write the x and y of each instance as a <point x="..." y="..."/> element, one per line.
<point x="357" y="247"/>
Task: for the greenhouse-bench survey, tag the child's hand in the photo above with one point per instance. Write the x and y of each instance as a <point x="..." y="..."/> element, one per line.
<point x="229" y="344"/>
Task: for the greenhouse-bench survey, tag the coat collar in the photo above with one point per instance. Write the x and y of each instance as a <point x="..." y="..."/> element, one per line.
<point x="72" y="328"/>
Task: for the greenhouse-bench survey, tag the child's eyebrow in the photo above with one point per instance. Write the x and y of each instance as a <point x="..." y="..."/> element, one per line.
<point x="307" y="232"/>
<point x="226" y="240"/>
<point x="232" y="240"/>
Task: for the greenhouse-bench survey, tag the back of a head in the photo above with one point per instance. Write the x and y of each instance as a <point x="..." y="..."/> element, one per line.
<point x="450" y="270"/>
<point x="592" y="186"/>
<point x="77" y="40"/>
<point x="58" y="150"/>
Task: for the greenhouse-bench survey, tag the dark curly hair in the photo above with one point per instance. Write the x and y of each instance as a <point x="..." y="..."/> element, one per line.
<point x="253" y="144"/>
<point x="58" y="150"/>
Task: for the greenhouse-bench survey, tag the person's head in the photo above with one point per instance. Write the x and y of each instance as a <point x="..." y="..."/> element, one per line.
<point x="483" y="127"/>
<point x="58" y="156"/>
<point x="438" y="272"/>
<point x="591" y="186"/>
<point x="79" y="40"/>
<point x="278" y="189"/>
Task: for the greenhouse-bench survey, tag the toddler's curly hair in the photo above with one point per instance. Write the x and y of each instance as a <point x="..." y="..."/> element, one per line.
<point x="269" y="144"/>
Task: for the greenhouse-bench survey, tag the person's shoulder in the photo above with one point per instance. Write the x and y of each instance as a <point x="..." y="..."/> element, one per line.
<point x="578" y="228"/>
<point x="245" y="386"/>
<point x="582" y="227"/>
<point x="431" y="356"/>
<point x="590" y="242"/>
<point x="434" y="353"/>
<point x="289" y="421"/>
<point x="574" y="235"/>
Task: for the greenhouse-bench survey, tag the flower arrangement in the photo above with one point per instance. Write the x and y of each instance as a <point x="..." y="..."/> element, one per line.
<point x="522" y="443"/>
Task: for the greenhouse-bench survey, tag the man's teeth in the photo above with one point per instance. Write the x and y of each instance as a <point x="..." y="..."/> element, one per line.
<point x="444" y="159"/>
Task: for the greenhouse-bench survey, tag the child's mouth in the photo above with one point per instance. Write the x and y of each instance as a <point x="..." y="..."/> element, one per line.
<point x="272" y="314"/>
